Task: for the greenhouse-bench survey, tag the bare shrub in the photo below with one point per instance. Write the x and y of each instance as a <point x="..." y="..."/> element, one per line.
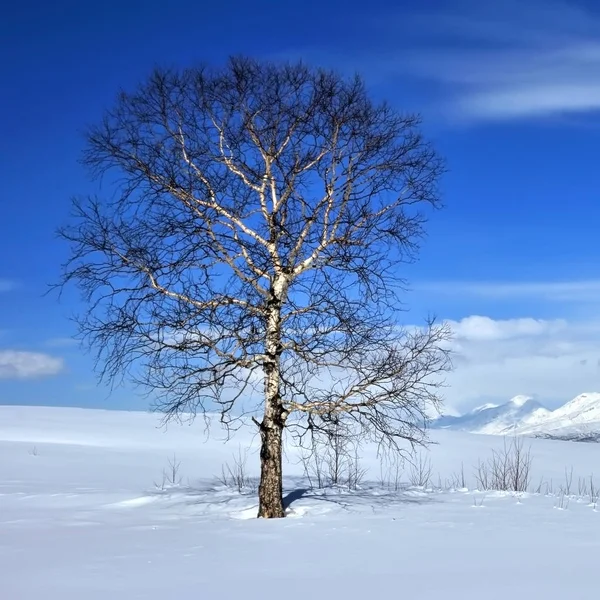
<point x="170" y="475"/>
<point x="562" y="500"/>
<point x="594" y="492"/>
<point x="482" y="476"/>
<point x="383" y="479"/>
<point x="420" y="470"/>
<point x="333" y="458"/>
<point x="586" y="490"/>
<point x="507" y="470"/>
<point x="538" y="489"/>
<point x="463" y="480"/>
<point x="396" y="477"/>
<point x="338" y="451"/>
<point x="391" y="468"/>
<point x="520" y="460"/>
<point x="313" y="464"/>
<point x="356" y="473"/>
<point x="476" y="504"/>
<point x="457" y="480"/>
<point x="568" y="481"/>
<point x="235" y="475"/>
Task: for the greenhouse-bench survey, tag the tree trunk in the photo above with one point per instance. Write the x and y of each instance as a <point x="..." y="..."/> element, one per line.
<point x="270" y="491"/>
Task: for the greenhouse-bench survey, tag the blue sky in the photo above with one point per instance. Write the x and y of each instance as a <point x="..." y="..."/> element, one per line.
<point x="509" y="93"/>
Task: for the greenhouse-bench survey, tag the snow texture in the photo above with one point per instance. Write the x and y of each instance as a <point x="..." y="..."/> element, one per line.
<point x="81" y="517"/>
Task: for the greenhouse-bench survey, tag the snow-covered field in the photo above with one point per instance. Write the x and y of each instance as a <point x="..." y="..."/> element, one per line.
<point x="81" y="517"/>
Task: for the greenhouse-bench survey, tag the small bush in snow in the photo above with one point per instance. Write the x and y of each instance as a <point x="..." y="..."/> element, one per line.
<point x="589" y="490"/>
<point x="457" y="481"/>
<point x="333" y="458"/>
<point x="568" y="481"/>
<point x="170" y="475"/>
<point x="235" y="475"/>
<point x="478" y="504"/>
<point x="355" y="473"/>
<point x="507" y="470"/>
<point x="562" y="500"/>
<point x="391" y="467"/>
<point x="420" y="471"/>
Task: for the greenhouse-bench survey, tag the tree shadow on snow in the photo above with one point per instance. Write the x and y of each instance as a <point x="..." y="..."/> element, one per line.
<point x="365" y="497"/>
<point x="293" y="496"/>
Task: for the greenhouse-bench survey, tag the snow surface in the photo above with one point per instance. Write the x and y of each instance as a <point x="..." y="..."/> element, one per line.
<point x="80" y="517"/>
<point x="483" y="407"/>
<point x="520" y="400"/>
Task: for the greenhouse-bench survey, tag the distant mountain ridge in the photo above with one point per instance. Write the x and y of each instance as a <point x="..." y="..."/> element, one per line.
<point x="495" y="419"/>
<point x="578" y="419"/>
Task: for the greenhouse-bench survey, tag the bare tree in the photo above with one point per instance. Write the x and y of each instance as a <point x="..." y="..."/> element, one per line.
<point x="250" y="252"/>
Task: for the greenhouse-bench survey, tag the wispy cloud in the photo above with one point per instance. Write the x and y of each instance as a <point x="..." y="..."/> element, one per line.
<point x="558" y="291"/>
<point x="61" y="342"/>
<point x="15" y="364"/>
<point x="7" y="285"/>
<point x="510" y="60"/>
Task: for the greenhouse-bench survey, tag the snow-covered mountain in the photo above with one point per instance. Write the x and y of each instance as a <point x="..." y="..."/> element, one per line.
<point x="578" y="419"/>
<point x="495" y="419"/>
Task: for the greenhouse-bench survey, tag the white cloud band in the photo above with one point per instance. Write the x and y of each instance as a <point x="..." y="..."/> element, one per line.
<point x="556" y="291"/>
<point x="16" y="364"/>
<point x="512" y="60"/>
<point x="553" y="360"/>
